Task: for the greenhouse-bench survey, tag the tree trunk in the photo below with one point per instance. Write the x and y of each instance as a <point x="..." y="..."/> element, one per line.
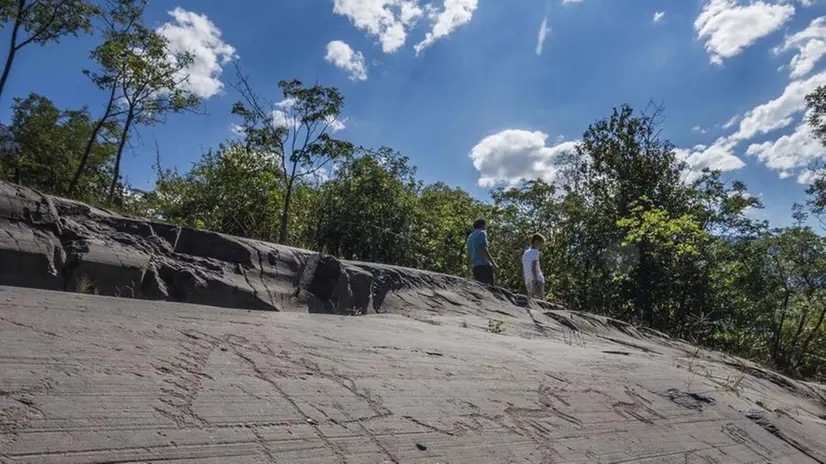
<point x="285" y="214"/>
<point x="643" y="297"/>
<point x="779" y="330"/>
<point x="84" y="159"/>
<point x="12" y="48"/>
<point x="123" y="137"/>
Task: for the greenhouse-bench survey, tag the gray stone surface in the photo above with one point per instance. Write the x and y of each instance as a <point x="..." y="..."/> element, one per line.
<point x="123" y="376"/>
<point x="87" y="379"/>
<point x="58" y="244"/>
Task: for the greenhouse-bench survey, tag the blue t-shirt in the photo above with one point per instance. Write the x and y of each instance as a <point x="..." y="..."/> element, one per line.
<point x="475" y="240"/>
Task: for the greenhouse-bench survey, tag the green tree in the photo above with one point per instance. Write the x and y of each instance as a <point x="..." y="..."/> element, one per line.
<point x="816" y="105"/>
<point x="368" y="210"/>
<point x="152" y="85"/>
<point x="444" y="219"/>
<point x="42" y="22"/>
<point x="620" y="161"/>
<point x="519" y="212"/>
<point x="122" y="22"/>
<point x="297" y="130"/>
<point x="229" y="190"/>
<point x="48" y="141"/>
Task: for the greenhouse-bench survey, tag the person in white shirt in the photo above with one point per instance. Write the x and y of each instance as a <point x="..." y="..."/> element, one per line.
<point x="534" y="280"/>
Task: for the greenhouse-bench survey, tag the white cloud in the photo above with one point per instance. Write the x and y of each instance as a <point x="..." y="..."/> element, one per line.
<point x="195" y="33"/>
<point x="570" y="2"/>
<point x="790" y="153"/>
<point x="658" y="16"/>
<point x="779" y="113"/>
<point x="388" y="20"/>
<point x="409" y="13"/>
<point x="336" y="125"/>
<point x="732" y="121"/>
<point x="283" y="119"/>
<point x="698" y="130"/>
<point x="716" y="157"/>
<point x="728" y="27"/>
<point x="810" y="44"/>
<point x="286" y="103"/>
<point x="543" y="34"/>
<point x="342" y="56"/>
<point x="511" y="155"/>
<point x="288" y="119"/>
<point x="454" y="14"/>
<point x="809" y="176"/>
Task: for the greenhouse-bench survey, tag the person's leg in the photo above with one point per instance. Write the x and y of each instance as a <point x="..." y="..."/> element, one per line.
<point x="534" y="290"/>
<point x="539" y="290"/>
<point x="477" y="273"/>
<point x="483" y="274"/>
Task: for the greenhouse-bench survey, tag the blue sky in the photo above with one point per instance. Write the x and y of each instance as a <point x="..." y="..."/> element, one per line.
<point x="478" y="106"/>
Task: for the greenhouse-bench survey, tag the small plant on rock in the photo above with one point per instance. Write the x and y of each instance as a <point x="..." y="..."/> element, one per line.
<point x="495" y="327"/>
<point x="85" y="285"/>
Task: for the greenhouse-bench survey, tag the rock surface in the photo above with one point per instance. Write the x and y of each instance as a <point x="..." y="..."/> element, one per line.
<point x="422" y="377"/>
<point x="58" y="244"/>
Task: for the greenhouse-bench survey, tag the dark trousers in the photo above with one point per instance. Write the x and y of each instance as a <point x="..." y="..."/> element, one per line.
<point x="483" y="274"/>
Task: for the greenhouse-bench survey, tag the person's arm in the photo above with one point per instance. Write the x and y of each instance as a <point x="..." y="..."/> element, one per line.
<point x="535" y="270"/>
<point x="488" y="257"/>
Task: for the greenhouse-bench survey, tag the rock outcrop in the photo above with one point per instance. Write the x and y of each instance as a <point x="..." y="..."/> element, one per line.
<point x="57" y="244"/>
<point x="440" y="369"/>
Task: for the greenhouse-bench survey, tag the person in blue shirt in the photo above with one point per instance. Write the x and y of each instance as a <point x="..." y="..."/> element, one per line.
<point x="481" y="262"/>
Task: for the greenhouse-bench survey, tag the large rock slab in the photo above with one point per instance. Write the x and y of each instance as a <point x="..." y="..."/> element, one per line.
<point x="88" y="379"/>
<point x="54" y="243"/>
<point x="114" y="368"/>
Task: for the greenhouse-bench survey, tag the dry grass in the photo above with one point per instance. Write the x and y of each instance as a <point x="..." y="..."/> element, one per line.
<point x="85" y="284"/>
<point x="572" y="337"/>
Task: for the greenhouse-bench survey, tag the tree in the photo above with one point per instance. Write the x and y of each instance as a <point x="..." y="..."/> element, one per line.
<point x="152" y="85"/>
<point x="230" y="190"/>
<point x="368" y="210"/>
<point x="48" y="143"/>
<point x="43" y="22"/>
<point x="519" y="212"/>
<point x="297" y="131"/>
<point x="120" y="19"/>
<point x="444" y="219"/>
<point x="816" y="105"/>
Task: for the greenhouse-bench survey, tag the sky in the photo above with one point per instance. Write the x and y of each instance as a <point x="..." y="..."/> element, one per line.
<point x="481" y="93"/>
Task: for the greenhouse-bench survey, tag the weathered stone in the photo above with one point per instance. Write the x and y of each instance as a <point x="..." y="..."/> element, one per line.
<point x="83" y="375"/>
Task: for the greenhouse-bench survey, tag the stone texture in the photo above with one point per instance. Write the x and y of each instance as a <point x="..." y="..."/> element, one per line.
<point x="416" y="377"/>
<point x="58" y="244"/>
<point x="87" y="378"/>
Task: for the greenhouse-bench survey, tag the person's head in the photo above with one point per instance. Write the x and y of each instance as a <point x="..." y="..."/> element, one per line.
<point x="480" y="224"/>
<point x="537" y="240"/>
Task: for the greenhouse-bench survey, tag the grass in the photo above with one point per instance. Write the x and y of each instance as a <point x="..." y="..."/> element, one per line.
<point x="732" y="383"/>
<point x="120" y="292"/>
<point x="85" y="285"/>
<point x="572" y="337"/>
<point x="495" y="327"/>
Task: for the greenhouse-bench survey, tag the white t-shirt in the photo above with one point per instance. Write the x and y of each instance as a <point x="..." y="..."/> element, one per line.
<point x="529" y="256"/>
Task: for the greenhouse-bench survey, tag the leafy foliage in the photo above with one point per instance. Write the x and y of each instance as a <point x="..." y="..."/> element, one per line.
<point x="297" y="130"/>
<point x="42" y="22"/>
<point x="49" y="141"/>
